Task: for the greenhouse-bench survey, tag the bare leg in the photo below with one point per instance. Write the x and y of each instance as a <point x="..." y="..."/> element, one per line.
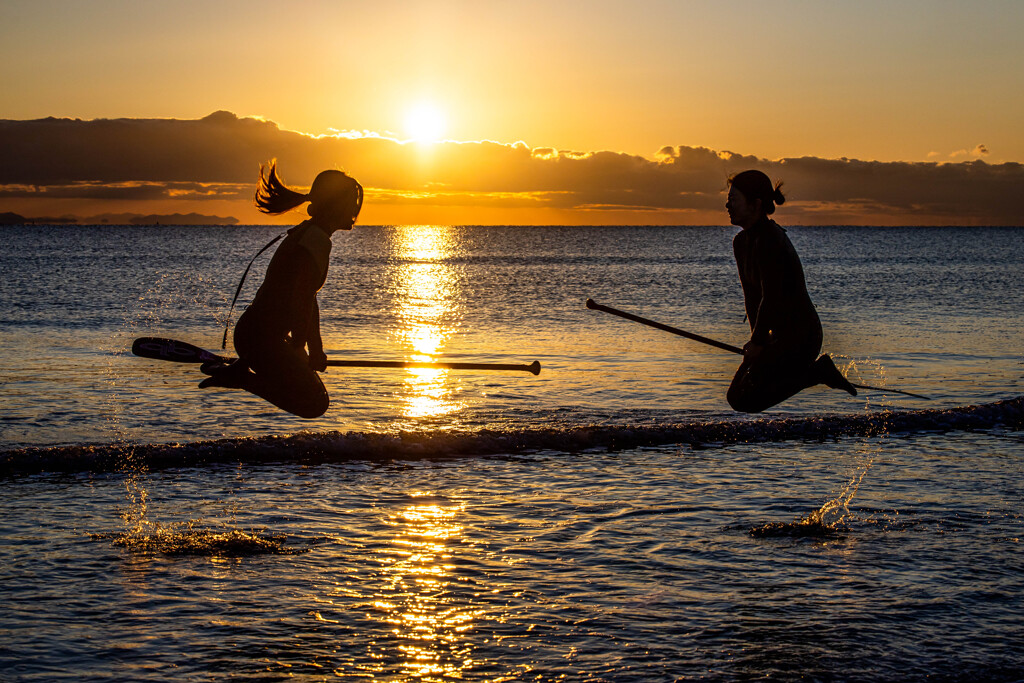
<point x="824" y="371"/>
<point x="760" y="385"/>
<point x="302" y="395"/>
<point x="278" y="373"/>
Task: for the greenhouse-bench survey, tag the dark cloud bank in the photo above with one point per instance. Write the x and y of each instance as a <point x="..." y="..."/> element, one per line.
<point x="218" y="157"/>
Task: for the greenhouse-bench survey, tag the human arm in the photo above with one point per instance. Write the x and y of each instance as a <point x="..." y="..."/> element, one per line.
<point x="770" y="307"/>
<point x="305" y="331"/>
<point x="288" y="295"/>
<point x="752" y="349"/>
<point x="317" y="357"/>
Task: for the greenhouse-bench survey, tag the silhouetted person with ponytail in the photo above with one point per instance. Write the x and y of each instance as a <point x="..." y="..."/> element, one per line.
<point x="785" y="333"/>
<point x="277" y="338"/>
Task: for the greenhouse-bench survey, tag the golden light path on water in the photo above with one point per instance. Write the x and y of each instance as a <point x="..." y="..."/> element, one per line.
<point x="427" y="302"/>
<point x="416" y="600"/>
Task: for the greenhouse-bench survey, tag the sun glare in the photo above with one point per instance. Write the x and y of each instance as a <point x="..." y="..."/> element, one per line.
<point x="424" y="123"/>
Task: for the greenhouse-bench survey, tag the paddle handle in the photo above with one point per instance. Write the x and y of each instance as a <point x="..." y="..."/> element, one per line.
<point x="591" y="304"/>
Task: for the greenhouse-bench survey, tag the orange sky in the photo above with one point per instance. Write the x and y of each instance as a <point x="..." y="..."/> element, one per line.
<point x="593" y="92"/>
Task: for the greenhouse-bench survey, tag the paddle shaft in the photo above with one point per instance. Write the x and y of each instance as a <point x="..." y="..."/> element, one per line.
<point x="183" y="352"/>
<point x="667" y="328"/>
<point x="712" y="342"/>
<point x="533" y="367"/>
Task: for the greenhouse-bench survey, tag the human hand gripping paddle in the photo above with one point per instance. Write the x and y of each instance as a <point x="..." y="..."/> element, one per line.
<point x="593" y="305"/>
<point x="182" y="352"/>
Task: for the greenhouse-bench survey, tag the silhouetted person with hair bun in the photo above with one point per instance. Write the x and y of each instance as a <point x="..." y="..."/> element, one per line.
<point x="277" y="338"/>
<point x="785" y="333"/>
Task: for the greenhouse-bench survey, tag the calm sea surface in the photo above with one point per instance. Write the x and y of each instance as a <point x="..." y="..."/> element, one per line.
<point x="608" y="520"/>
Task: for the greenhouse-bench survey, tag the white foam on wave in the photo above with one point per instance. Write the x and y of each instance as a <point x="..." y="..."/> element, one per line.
<point x="339" y="446"/>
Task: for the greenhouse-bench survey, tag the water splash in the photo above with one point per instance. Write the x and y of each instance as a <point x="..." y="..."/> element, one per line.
<point x="869" y="372"/>
<point x="141" y="535"/>
<point x="193" y="538"/>
<point x="830" y="519"/>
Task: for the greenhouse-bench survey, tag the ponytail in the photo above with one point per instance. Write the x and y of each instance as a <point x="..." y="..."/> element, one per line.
<point x="273" y="196"/>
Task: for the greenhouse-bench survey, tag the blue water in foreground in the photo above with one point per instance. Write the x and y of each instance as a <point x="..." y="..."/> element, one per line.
<point x="608" y="520"/>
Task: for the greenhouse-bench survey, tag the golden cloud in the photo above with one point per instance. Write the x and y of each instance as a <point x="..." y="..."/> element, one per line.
<point x="217" y="159"/>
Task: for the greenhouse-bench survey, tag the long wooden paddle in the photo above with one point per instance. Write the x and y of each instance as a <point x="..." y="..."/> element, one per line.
<point x="183" y="352"/>
<point x="593" y="305"/>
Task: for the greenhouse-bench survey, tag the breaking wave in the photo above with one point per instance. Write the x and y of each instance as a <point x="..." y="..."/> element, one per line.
<point x="339" y="446"/>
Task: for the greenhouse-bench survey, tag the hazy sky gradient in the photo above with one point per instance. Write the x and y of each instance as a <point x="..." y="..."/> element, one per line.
<point x="892" y="80"/>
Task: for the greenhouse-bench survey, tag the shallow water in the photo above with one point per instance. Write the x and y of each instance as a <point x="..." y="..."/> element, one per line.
<point x="932" y="311"/>
<point x="638" y="565"/>
<point x="608" y="520"/>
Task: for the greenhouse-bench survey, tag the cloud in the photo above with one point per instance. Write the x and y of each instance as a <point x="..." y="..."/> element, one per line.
<point x="215" y="160"/>
<point x="978" y="152"/>
<point x="134" y="190"/>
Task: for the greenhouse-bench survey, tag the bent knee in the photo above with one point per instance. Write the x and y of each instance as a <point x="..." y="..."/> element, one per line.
<point x="743" y="403"/>
<point x="313" y="407"/>
<point x="745" y="397"/>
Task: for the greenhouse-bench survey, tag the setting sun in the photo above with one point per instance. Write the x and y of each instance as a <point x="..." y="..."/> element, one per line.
<point x="424" y="123"/>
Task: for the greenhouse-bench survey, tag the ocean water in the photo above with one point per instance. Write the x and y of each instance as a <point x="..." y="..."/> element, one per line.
<point x="610" y="519"/>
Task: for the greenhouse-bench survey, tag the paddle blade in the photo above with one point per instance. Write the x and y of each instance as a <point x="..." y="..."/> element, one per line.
<point x="173" y="350"/>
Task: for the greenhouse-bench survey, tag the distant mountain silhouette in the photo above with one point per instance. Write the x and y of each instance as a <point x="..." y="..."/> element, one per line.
<point x="181" y="219"/>
<point x="10" y="218"/>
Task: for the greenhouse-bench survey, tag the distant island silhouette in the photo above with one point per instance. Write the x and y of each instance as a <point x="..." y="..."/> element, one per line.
<point x="10" y="218"/>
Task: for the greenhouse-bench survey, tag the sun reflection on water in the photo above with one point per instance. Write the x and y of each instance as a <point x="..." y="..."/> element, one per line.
<point x="428" y="308"/>
<point x="421" y="600"/>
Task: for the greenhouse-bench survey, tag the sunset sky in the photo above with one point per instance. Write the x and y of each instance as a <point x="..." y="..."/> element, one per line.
<point x="530" y="112"/>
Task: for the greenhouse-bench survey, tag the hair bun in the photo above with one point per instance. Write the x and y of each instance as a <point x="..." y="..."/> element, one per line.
<point x="777" y="196"/>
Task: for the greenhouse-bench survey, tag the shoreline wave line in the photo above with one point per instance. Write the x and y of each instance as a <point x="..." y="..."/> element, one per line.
<point x="325" y="447"/>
